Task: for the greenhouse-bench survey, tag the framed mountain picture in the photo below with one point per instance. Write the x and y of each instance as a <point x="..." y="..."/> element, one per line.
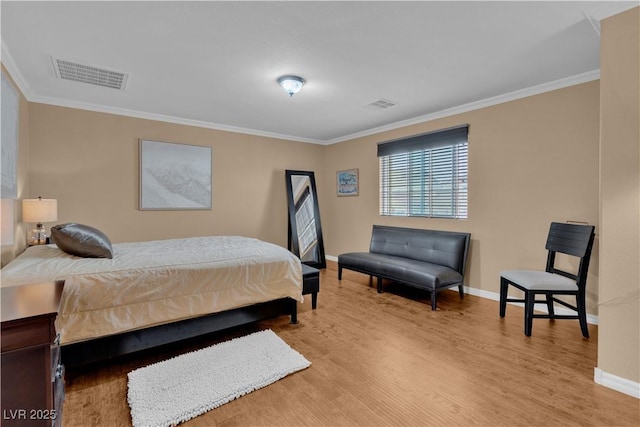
<point x="175" y="176"/>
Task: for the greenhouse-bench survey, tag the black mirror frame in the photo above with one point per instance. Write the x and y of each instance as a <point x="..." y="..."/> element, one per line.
<point x="293" y="244"/>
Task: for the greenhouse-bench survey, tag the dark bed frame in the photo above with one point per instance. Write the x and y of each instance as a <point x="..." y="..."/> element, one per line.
<point x="104" y="348"/>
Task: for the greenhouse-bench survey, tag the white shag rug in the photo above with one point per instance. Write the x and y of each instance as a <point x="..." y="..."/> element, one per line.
<point x="176" y="390"/>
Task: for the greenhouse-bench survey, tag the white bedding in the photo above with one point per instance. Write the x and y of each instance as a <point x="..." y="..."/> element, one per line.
<point x="151" y="283"/>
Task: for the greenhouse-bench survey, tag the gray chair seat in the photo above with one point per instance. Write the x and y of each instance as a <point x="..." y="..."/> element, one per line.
<point x="540" y="280"/>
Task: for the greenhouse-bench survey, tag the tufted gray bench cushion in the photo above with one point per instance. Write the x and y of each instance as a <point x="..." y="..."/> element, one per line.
<point x="427" y="259"/>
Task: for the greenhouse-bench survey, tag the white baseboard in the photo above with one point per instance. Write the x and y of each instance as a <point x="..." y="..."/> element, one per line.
<point x="592" y="319"/>
<point x="614" y="382"/>
<point x="605" y="379"/>
<point x="496" y="297"/>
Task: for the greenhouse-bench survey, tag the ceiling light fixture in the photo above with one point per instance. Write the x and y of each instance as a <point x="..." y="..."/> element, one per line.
<point x="291" y="84"/>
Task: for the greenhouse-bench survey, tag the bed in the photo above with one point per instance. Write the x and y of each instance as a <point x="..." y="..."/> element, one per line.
<point x="153" y="293"/>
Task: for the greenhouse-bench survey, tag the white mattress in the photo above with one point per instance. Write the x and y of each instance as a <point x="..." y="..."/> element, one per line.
<point x="157" y="282"/>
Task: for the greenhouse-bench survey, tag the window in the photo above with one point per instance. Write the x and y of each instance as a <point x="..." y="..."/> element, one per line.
<point x="425" y="175"/>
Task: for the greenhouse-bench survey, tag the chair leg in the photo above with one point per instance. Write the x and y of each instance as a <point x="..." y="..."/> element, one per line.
<point x="550" y="305"/>
<point x="504" y="285"/>
<point x="582" y="314"/>
<point x="339" y="272"/>
<point x="461" y="291"/>
<point x="379" y="285"/>
<point x="529" y="302"/>
<point x="433" y="300"/>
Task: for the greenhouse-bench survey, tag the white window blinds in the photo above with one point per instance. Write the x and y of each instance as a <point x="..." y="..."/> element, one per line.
<point x="425" y="175"/>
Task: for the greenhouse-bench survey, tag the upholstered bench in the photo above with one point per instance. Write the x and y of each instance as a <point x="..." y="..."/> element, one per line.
<point x="311" y="283"/>
<point x="427" y="259"/>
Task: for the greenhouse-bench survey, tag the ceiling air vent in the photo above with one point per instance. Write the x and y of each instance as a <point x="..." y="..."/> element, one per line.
<point x="83" y="73"/>
<point x="381" y="104"/>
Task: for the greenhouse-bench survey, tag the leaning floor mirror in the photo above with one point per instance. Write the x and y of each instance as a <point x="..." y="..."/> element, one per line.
<point x="305" y="231"/>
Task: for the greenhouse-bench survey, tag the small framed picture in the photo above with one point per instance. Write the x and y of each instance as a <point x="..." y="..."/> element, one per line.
<point x="347" y="182"/>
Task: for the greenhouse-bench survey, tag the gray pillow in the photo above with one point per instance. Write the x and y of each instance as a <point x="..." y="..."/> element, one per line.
<point x="81" y="240"/>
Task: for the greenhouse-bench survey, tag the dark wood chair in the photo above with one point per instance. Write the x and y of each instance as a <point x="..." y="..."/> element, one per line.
<point x="571" y="239"/>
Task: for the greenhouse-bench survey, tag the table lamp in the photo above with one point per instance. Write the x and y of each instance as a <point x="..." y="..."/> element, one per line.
<point x="39" y="210"/>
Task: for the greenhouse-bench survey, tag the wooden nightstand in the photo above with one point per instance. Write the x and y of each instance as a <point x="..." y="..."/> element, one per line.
<point x="32" y="375"/>
<point x="46" y="242"/>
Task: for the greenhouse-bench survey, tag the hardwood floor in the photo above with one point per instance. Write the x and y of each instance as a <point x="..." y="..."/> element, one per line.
<point x="388" y="360"/>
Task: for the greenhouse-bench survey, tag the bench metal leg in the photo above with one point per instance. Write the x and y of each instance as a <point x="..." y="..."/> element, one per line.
<point x="379" y="285"/>
<point x="433" y="300"/>
<point x="339" y="272"/>
<point x="461" y="291"/>
<point x="314" y="300"/>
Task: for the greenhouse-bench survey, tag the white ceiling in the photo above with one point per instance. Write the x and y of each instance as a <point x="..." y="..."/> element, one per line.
<point x="215" y="64"/>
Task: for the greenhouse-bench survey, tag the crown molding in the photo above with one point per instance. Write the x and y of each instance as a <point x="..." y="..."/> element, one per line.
<point x="595" y="13"/>
<point x="476" y="105"/>
<point x="608" y="9"/>
<point x="168" y="119"/>
<point x="14" y="71"/>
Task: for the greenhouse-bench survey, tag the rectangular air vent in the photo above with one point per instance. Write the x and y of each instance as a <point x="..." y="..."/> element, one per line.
<point x="90" y="74"/>
<point x="381" y="104"/>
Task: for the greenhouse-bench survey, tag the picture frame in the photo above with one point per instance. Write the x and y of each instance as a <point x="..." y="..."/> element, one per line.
<point x="347" y="182"/>
<point x="175" y="176"/>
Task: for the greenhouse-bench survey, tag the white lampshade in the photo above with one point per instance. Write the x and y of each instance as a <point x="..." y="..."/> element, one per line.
<point x="39" y="210"/>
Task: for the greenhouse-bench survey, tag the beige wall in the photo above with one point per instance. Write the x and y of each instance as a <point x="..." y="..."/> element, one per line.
<point x="20" y="229"/>
<point x="619" y="341"/>
<point x="89" y="161"/>
<point x="531" y="161"/>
